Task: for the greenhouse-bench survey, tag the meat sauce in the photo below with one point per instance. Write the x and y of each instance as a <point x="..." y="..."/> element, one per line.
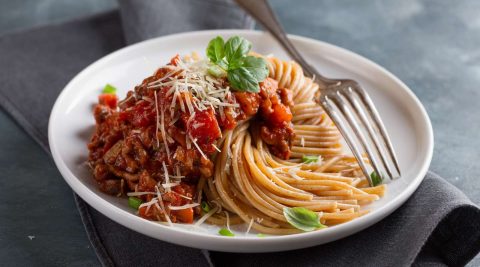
<point x="272" y="104"/>
<point x="127" y="150"/>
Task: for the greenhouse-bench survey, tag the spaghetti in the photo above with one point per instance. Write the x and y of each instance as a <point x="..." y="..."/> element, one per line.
<point x="224" y="145"/>
<point x="256" y="185"/>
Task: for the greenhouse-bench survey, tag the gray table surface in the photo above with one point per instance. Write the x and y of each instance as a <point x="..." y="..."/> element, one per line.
<point x="433" y="46"/>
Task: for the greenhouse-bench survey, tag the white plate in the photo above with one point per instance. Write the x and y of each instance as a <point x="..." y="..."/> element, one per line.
<point x="71" y="124"/>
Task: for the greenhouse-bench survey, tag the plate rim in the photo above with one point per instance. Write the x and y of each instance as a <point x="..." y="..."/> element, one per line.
<point x="221" y="243"/>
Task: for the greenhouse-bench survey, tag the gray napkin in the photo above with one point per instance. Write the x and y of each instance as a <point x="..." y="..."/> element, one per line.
<point x="151" y="18"/>
<point x="438" y="225"/>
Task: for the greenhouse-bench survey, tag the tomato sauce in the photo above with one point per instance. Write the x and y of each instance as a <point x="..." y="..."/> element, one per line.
<point x="134" y="139"/>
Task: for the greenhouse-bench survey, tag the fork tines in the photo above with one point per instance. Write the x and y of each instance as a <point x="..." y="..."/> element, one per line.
<point x="357" y="119"/>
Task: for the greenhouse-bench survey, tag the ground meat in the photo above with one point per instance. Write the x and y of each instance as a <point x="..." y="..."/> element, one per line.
<point x="111" y="187"/>
<point x="138" y="139"/>
<point x="178" y="196"/>
<point x="206" y="167"/>
<point x="146" y="183"/>
<point x="101" y="112"/>
<point x="192" y="163"/>
<point x="277" y="129"/>
<point x="127" y="145"/>
<point x="101" y="172"/>
<point x="272" y="104"/>
<point x="286" y="96"/>
<point x="279" y="140"/>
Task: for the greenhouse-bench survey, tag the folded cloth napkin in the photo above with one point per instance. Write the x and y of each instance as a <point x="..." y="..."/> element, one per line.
<point x="437" y="225"/>
<point x="152" y="18"/>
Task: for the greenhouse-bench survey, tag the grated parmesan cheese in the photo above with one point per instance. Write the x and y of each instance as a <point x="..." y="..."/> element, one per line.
<point x="170" y="185"/>
<point x="135" y="194"/>
<point x="249" y="226"/>
<point x="194" y="141"/>
<point x="164" y="133"/>
<point x="228" y="220"/>
<point x="167" y="178"/>
<point x="163" y="206"/>
<point x="157" y="119"/>
<point x="216" y="148"/>
<point x="206" y="216"/>
<point x="293" y="173"/>
<point x="195" y="87"/>
<point x="186" y="206"/>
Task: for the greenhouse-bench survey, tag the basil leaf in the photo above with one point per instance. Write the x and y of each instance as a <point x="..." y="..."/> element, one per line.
<point x="205" y="207"/>
<point x="302" y="218"/>
<point x="248" y="74"/>
<point x="242" y="80"/>
<point x="256" y="66"/>
<point x="215" y="49"/>
<point x="376" y="179"/>
<point x="309" y="159"/>
<point x="109" y="89"/>
<point x="225" y="232"/>
<point x="261" y="235"/>
<point x="223" y="64"/>
<point x="235" y="48"/>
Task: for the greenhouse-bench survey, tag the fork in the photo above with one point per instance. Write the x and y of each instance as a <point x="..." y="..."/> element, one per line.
<point x="344" y="100"/>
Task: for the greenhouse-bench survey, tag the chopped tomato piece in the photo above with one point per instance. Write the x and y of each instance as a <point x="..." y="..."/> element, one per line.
<point x="151" y="214"/>
<point x="184" y="215"/>
<point x="280" y="114"/>
<point x="108" y="100"/>
<point x="228" y="121"/>
<point x="249" y="102"/>
<point x="140" y="115"/>
<point x="204" y="128"/>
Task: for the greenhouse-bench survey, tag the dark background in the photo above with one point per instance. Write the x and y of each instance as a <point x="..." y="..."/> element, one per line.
<point x="431" y="45"/>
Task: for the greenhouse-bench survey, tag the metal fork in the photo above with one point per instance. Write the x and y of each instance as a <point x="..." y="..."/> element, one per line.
<point x="345" y="101"/>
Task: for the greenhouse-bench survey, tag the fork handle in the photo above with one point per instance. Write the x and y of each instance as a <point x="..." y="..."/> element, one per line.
<point x="263" y="13"/>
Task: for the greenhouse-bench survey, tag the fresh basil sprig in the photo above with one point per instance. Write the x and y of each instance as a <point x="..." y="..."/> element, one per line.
<point x="302" y="218"/>
<point x="229" y="59"/>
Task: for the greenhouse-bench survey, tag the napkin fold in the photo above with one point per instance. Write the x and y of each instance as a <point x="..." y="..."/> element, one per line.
<point x="437" y="225"/>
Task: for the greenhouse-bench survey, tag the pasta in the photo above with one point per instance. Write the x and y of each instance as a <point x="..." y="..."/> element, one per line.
<point x="255" y="185"/>
<point x="234" y="139"/>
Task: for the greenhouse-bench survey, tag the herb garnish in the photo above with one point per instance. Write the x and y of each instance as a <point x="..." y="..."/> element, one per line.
<point x="376" y="179"/>
<point x="302" y="218"/>
<point x="205" y="206"/>
<point x="229" y="59"/>
<point x="109" y="89"/>
<point x="309" y="159"/>
<point x="134" y="202"/>
<point x="225" y="232"/>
